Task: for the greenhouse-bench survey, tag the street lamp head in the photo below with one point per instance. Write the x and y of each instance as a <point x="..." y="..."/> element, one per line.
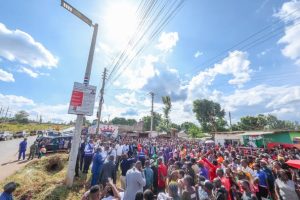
<point x="76" y="12"/>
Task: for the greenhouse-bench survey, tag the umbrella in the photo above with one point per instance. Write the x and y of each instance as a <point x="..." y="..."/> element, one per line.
<point x="294" y="163"/>
<point x="209" y="141"/>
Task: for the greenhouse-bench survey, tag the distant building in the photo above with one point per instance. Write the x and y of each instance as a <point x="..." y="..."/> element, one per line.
<point x="232" y="137"/>
<point x="271" y="139"/>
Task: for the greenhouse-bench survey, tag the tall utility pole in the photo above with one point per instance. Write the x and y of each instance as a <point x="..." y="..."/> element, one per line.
<point x="152" y="101"/>
<point x="230" y="120"/>
<point x="101" y="100"/>
<point x="6" y="114"/>
<point x="1" y="111"/>
<point x="79" y="120"/>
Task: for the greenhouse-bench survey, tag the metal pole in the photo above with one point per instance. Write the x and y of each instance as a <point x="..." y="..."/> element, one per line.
<point x="79" y="119"/>
<point x="91" y="57"/>
<point x="152" y="99"/>
<point x="101" y="100"/>
<point x="230" y="121"/>
<point x="6" y="114"/>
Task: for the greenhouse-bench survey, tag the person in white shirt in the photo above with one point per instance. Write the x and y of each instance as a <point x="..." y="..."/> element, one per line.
<point x="119" y="149"/>
<point x="135" y="181"/>
<point x="125" y="148"/>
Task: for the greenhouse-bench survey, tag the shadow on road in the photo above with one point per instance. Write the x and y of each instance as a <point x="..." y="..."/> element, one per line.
<point x="7" y="163"/>
<point x="23" y="161"/>
<point x="15" y="161"/>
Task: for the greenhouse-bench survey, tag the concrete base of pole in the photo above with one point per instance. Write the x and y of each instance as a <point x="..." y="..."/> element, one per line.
<point x="74" y="151"/>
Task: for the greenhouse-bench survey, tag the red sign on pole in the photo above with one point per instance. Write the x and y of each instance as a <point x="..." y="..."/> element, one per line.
<point x="76" y="99"/>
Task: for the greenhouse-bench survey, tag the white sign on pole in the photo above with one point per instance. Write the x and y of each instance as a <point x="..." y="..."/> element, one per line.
<point x="82" y="99"/>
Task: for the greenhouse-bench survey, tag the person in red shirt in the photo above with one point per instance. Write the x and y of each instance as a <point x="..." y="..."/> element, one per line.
<point x="162" y="175"/>
<point x="212" y="168"/>
<point x="225" y="182"/>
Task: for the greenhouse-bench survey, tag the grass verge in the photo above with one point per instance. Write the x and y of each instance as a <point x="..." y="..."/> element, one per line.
<point x="47" y="182"/>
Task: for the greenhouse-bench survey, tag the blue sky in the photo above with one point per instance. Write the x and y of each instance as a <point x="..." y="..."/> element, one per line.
<point x="44" y="49"/>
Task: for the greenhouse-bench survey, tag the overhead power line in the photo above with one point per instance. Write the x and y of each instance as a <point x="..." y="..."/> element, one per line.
<point x="248" y="43"/>
<point x="155" y="14"/>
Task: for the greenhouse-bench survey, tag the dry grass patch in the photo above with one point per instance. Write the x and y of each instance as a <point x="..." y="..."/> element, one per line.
<point x="44" y="179"/>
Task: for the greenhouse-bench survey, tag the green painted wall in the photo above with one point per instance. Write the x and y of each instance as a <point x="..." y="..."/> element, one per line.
<point x="294" y="134"/>
<point x="283" y="137"/>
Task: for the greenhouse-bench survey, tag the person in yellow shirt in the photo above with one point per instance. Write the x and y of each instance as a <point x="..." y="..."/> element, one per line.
<point x="183" y="153"/>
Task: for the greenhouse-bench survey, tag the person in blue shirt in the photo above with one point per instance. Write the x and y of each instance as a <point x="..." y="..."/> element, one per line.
<point x="9" y="188"/>
<point x="97" y="166"/>
<point x="88" y="156"/>
<point x="263" y="182"/>
<point x="270" y="177"/>
<point x="22" y="149"/>
<point x="125" y="165"/>
<point x="142" y="156"/>
<point x="148" y="175"/>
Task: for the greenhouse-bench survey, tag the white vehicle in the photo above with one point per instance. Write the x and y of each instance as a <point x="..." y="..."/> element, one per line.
<point x="20" y="134"/>
<point x="6" y="135"/>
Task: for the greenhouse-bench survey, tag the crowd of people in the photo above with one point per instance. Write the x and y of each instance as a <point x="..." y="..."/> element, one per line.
<point x="177" y="169"/>
<point x="166" y="169"/>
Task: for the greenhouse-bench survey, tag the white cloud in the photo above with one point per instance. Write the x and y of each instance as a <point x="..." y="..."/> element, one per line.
<point x="290" y="13"/>
<point x="15" y="101"/>
<point x="28" y="72"/>
<point x="17" y="45"/>
<point x="264" y="99"/>
<point x="236" y="64"/>
<point x="127" y="98"/>
<point x="198" y="54"/>
<point x="136" y="77"/>
<point x="6" y="76"/>
<point x="54" y="113"/>
<point x="167" y="41"/>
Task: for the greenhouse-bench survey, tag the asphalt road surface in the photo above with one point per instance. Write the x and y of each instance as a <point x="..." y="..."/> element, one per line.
<point x="9" y="163"/>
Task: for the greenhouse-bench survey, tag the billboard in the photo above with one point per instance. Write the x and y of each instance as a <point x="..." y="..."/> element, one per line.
<point x="82" y="99"/>
<point x="105" y="130"/>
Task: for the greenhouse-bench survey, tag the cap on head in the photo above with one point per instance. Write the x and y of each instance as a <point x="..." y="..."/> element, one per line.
<point x="10" y="187"/>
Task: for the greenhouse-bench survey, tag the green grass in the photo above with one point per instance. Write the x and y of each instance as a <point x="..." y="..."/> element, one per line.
<point x="14" y="127"/>
<point x="42" y="184"/>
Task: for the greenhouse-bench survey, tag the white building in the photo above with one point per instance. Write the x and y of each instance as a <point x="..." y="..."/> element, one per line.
<point x="233" y="137"/>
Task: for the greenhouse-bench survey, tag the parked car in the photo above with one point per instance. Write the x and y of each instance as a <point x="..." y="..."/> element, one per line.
<point x="40" y="133"/>
<point x="53" y="134"/>
<point x="32" y="133"/>
<point x="6" y="135"/>
<point x="57" y="143"/>
<point x="20" y="134"/>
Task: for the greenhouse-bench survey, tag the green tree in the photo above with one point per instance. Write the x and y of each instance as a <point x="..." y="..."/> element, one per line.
<point x="123" y="121"/>
<point x="156" y="120"/>
<point x="163" y="126"/>
<point x="22" y="117"/>
<point x="261" y="122"/>
<point x="186" y="125"/>
<point x="210" y="115"/>
<point x="176" y="126"/>
<point x="194" y="131"/>
<point x="131" y="122"/>
<point x="168" y="105"/>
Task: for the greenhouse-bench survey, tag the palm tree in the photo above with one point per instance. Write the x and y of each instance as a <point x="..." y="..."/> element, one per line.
<point x="167" y="102"/>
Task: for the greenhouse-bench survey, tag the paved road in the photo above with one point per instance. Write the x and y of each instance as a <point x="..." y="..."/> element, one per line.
<point x="9" y="156"/>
